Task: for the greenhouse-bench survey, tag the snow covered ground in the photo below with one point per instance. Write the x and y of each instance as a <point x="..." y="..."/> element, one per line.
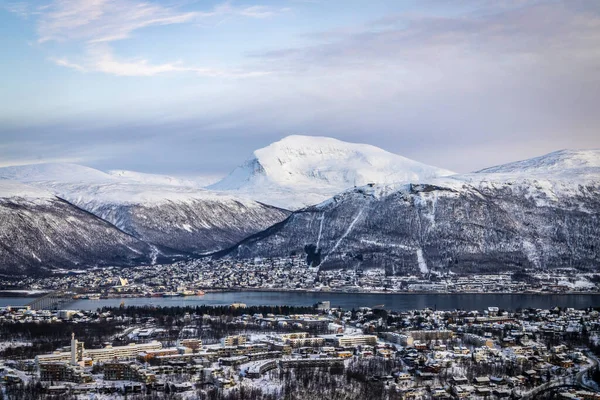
<point x="13" y="344"/>
<point x="10" y="189"/>
<point x="87" y="186"/>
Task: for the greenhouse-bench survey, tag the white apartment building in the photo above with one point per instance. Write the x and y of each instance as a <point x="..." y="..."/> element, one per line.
<point x="109" y="353"/>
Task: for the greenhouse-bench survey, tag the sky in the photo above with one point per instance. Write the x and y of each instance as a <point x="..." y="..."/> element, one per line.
<point x="192" y="87"/>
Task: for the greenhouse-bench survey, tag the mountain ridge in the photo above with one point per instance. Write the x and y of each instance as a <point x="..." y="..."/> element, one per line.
<point x="573" y="159"/>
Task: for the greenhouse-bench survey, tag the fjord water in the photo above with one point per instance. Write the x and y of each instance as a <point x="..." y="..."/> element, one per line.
<point x="397" y="302"/>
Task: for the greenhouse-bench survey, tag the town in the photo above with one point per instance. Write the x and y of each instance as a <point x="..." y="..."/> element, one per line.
<point x="292" y="273"/>
<point x="239" y="351"/>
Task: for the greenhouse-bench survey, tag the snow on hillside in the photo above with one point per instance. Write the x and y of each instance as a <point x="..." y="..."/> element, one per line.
<point x="442" y="224"/>
<point x="303" y="170"/>
<point x="538" y="213"/>
<point x="9" y="189"/>
<point x="40" y="231"/>
<point x="170" y="212"/>
<point x="129" y="193"/>
<point x="155" y="179"/>
<point x="83" y="185"/>
<point x="557" y="162"/>
<point x="60" y="172"/>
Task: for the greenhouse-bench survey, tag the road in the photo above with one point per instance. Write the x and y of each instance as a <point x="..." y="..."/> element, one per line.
<point x="577" y="380"/>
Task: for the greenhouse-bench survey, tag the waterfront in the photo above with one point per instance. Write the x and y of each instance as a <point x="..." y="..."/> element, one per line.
<point x="397" y="302"/>
<point x="149" y="351"/>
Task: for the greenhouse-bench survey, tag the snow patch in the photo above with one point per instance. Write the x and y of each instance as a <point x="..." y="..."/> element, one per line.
<point x="350" y="227"/>
<point x="421" y="261"/>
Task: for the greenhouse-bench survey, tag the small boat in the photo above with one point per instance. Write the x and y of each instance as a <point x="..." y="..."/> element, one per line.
<point x="170" y="294"/>
<point x="200" y="293"/>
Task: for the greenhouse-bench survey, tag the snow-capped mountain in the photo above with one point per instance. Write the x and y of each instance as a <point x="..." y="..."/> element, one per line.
<point x="40" y="231"/>
<point x="75" y="173"/>
<point x="53" y="172"/>
<point x="542" y="213"/>
<point x="156" y="209"/>
<point x="299" y="171"/>
<point x="576" y="162"/>
<point x="154" y="179"/>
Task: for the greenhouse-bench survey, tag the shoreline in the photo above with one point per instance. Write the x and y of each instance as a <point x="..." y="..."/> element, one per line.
<point x="395" y="293"/>
<point x="36" y="294"/>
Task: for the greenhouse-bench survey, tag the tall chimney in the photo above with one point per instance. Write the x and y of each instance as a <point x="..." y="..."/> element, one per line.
<point x="73" y="349"/>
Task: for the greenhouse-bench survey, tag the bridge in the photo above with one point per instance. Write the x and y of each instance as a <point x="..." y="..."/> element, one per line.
<point x="51" y="301"/>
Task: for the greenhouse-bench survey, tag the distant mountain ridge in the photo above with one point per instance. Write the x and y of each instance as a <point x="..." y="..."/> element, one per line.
<point x="140" y="177"/>
<point x="575" y="161"/>
<point x="54" y="172"/>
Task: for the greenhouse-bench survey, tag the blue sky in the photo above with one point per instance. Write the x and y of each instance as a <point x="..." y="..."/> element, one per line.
<point x="192" y="87"/>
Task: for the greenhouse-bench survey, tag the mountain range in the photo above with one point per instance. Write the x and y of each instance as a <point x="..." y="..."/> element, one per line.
<point x="481" y="222"/>
<point x="177" y="216"/>
<point x="340" y="205"/>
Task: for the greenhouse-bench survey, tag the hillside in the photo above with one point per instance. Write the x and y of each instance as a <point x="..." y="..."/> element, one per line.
<point x="39" y="231"/>
<point x="157" y="209"/>
<point x="468" y="223"/>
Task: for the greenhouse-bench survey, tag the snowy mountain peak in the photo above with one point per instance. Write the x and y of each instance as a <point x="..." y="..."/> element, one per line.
<point x="556" y="162"/>
<point x="58" y="172"/>
<point x="303" y="170"/>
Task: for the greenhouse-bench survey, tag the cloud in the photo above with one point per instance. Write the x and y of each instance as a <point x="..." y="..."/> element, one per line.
<point x="523" y="76"/>
<point x="534" y="31"/>
<point x="96" y="23"/>
<point x="63" y="62"/>
<point x="100" y="58"/>
<point x="260" y="11"/>
<point x="486" y="83"/>
<point x="20" y="8"/>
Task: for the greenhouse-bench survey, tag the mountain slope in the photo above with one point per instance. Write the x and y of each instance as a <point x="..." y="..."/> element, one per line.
<point x="155" y="209"/>
<point x="562" y="162"/>
<point x="298" y="171"/>
<point x="166" y="180"/>
<point x="182" y="218"/>
<point x="53" y="172"/>
<point x="469" y="223"/>
<point x="39" y="231"/>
